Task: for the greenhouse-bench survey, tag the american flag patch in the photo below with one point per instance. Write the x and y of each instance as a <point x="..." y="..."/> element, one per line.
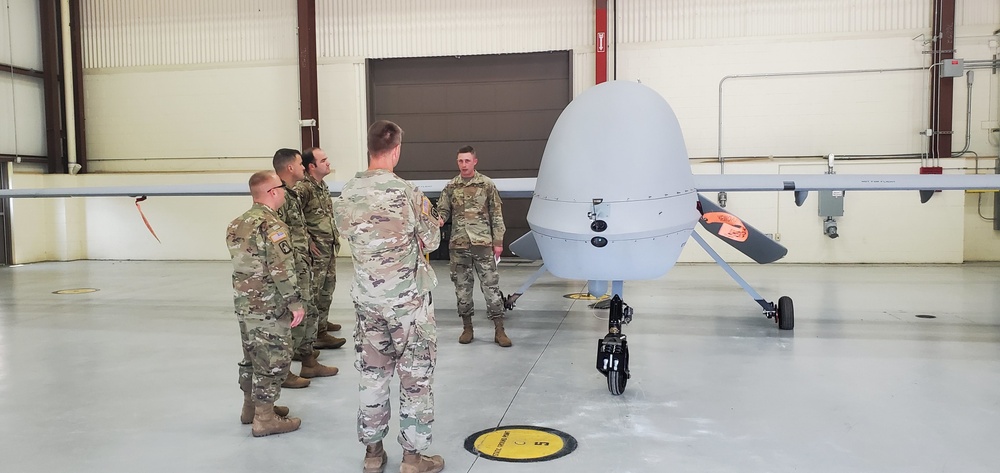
<point x="278" y="236"/>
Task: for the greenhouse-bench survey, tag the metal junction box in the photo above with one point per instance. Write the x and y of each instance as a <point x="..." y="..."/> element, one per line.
<point x="831" y="203"/>
<point x="952" y="67"/>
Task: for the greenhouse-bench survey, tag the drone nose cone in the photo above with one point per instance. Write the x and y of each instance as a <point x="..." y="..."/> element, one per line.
<point x="615" y="168"/>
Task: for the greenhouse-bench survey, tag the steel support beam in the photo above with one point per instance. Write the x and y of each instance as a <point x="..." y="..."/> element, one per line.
<point x="52" y="85"/>
<point x="942" y="88"/>
<point x="79" y="119"/>
<point x="21" y="71"/>
<point x="308" y="81"/>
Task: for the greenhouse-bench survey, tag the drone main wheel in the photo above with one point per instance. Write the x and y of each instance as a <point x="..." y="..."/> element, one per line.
<point x="617" y="381"/>
<point x="786" y="314"/>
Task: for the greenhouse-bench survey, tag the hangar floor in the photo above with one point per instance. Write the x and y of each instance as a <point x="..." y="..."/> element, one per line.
<point x="141" y="374"/>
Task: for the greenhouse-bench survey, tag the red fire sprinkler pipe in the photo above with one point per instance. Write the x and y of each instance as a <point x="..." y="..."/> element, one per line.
<point x="601" y="41"/>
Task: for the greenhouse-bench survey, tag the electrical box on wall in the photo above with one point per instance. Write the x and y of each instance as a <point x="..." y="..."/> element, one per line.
<point x="952" y="67"/>
<point x="831" y="203"/>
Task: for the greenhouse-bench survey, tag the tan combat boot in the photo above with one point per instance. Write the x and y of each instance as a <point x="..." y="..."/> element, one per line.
<point x="294" y="381"/>
<point x="500" y="338"/>
<point x="325" y="340"/>
<point x="312" y="369"/>
<point x="375" y="458"/>
<point x="246" y="415"/>
<point x="297" y="357"/>
<point x="266" y="422"/>
<point x="466" y="336"/>
<point x="329" y="327"/>
<point x="414" y="462"/>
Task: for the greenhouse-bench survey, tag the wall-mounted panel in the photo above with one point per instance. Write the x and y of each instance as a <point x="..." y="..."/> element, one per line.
<point x="22" y="120"/>
<point x="20" y="40"/>
<point x="977" y="12"/>
<point x="652" y="20"/>
<point x="416" y="28"/>
<point x="135" y="33"/>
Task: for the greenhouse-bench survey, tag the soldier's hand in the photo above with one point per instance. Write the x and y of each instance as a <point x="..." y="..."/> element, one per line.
<point x="440" y="222"/>
<point x="497" y="251"/>
<point x="297" y="316"/>
<point x="313" y="248"/>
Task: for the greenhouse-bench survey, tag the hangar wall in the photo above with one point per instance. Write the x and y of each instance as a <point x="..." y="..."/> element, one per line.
<point x="192" y="91"/>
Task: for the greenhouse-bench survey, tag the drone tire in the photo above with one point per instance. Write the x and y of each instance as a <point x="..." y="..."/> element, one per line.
<point x="786" y="313"/>
<point x="616" y="382"/>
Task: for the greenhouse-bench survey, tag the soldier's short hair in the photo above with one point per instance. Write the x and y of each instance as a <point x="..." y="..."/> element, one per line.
<point x="383" y="136"/>
<point x="283" y="157"/>
<point x="308" y="157"/>
<point x="467" y="149"/>
<point x="259" y="178"/>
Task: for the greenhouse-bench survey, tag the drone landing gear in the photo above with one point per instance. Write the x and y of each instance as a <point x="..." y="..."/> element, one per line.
<point x="612" y="350"/>
<point x="782" y="312"/>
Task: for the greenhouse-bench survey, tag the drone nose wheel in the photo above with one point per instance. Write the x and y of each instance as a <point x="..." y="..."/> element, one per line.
<point x="617" y="381"/>
<point x="612" y="350"/>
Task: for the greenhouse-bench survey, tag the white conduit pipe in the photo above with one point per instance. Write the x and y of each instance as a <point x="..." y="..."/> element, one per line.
<point x="70" y="112"/>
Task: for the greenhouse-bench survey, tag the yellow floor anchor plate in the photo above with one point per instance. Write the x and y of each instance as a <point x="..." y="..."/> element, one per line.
<point x="520" y="443"/>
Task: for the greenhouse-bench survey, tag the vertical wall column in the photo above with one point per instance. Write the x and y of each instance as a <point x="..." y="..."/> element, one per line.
<point x="55" y="149"/>
<point x="942" y="88"/>
<point x="308" y="80"/>
<point x="79" y="119"/>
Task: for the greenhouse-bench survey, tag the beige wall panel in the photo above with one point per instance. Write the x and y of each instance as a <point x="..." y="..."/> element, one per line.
<point x="414" y="28"/>
<point x="135" y="119"/>
<point x="677" y="20"/>
<point x="140" y="33"/>
<point x="342" y="117"/>
<point x="809" y="115"/>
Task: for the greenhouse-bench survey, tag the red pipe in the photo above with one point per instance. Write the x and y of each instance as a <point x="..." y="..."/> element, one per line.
<point x="601" y="41"/>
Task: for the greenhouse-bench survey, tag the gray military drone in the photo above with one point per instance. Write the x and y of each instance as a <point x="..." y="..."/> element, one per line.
<point x="615" y="200"/>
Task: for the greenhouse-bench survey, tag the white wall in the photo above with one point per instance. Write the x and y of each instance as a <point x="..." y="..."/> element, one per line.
<point x="206" y="91"/>
<point x="189" y="119"/>
<point x="189" y="228"/>
<point x="22" y="121"/>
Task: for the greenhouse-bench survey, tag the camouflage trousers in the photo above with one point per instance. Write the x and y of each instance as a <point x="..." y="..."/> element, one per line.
<point x="401" y="340"/>
<point x="267" y="355"/>
<point x="324" y="280"/>
<point x="305" y="333"/>
<point x="463" y="260"/>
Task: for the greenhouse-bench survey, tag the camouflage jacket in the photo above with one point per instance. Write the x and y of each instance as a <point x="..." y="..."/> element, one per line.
<point x="474" y="209"/>
<point x="317" y="207"/>
<point x="389" y="226"/>
<point x="264" y="281"/>
<point x="291" y="214"/>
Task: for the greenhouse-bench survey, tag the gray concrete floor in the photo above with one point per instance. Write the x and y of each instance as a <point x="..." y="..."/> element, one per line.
<point x="141" y="375"/>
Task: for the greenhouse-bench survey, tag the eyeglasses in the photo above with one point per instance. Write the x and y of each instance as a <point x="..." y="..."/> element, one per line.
<point x="282" y="186"/>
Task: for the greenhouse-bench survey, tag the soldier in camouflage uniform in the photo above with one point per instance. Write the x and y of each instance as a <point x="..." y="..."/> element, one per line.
<point x="389" y="226"/>
<point x="267" y="303"/>
<point x="317" y="206"/>
<point x="288" y="166"/>
<point x="473" y="203"/>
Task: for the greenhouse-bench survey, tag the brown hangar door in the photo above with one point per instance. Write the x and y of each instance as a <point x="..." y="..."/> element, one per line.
<point x="502" y="105"/>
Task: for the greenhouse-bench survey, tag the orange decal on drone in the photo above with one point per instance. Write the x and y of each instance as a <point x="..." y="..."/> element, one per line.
<point x="732" y="227"/>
